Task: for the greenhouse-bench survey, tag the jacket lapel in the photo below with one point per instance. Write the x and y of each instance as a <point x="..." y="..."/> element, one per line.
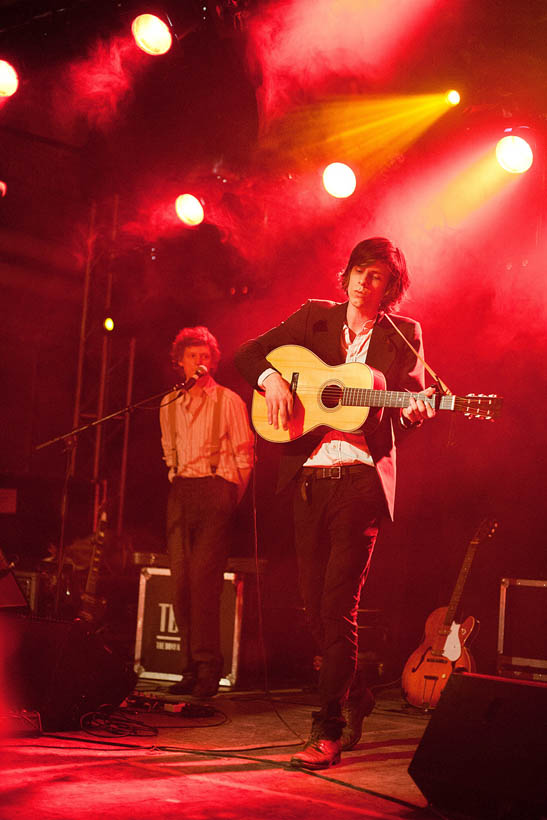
<point x="332" y="350"/>
<point x="382" y="349"/>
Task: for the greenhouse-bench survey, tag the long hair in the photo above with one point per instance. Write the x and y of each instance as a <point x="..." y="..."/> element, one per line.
<point x="380" y="249"/>
<point x="190" y="336"/>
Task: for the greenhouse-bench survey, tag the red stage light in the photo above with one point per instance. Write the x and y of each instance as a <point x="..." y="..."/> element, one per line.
<point x="453" y="97"/>
<point x="189" y="210"/>
<point x="339" y="180"/>
<point x="514" y="154"/>
<point x="9" y="80"/>
<point x="151" y="34"/>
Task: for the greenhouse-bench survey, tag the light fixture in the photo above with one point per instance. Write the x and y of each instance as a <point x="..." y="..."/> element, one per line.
<point x="9" y="81"/>
<point x="339" y="180"/>
<point x="189" y="210"/>
<point x="514" y="150"/>
<point x="452" y="97"/>
<point x="151" y="34"/>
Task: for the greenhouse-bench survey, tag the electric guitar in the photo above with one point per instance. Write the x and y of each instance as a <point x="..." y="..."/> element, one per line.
<point x="443" y="649"/>
<point x="92" y="606"/>
<point x="345" y="396"/>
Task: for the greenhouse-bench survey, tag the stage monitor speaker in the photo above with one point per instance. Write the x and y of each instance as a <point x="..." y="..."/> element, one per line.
<point x="60" y="669"/>
<point x="484" y="751"/>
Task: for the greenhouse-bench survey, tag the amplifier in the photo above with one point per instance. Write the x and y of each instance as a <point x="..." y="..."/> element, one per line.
<point x="157" y="643"/>
<point x="522" y="629"/>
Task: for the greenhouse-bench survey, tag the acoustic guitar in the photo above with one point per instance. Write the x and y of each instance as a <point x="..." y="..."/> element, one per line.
<point x="346" y="396"/>
<point x="443" y="649"/>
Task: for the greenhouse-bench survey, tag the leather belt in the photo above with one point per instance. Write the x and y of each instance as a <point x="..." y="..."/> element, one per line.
<point x="338" y="471"/>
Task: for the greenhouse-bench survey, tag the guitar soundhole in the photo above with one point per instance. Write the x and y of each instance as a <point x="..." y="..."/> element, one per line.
<point x="331" y="396"/>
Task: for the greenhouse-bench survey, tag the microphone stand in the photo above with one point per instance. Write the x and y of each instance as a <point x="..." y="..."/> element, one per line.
<point x="128" y="409"/>
<point x="70" y="443"/>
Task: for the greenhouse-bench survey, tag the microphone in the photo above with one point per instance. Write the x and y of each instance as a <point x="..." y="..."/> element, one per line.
<point x="201" y="370"/>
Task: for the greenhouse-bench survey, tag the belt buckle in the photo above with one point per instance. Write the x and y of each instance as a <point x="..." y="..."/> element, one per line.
<point x="336" y="471"/>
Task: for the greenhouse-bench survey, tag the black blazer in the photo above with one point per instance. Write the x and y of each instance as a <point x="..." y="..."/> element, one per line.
<point x="317" y="325"/>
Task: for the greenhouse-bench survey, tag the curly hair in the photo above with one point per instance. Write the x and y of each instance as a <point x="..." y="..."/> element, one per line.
<point x="191" y="336"/>
<point x="380" y="249"/>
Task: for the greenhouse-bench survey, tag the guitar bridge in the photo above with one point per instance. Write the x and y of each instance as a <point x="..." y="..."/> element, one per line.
<point x="294" y="382"/>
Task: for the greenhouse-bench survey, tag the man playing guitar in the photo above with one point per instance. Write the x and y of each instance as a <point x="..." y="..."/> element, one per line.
<point x="344" y="483"/>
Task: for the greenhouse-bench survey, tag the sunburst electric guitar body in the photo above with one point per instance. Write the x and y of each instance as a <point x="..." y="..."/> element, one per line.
<point x="441" y="652"/>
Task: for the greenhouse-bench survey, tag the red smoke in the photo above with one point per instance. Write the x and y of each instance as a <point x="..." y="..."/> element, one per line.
<point x="297" y="45"/>
<point x="102" y="80"/>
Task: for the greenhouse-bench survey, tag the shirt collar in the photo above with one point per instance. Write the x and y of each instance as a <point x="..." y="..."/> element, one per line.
<point x="209" y="385"/>
<point x="366" y="328"/>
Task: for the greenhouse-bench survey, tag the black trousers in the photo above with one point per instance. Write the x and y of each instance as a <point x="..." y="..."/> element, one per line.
<point x="336" y="524"/>
<point x="199" y="513"/>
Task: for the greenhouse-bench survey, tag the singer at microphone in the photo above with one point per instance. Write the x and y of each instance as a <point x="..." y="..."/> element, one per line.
<point x="207" y="447"/>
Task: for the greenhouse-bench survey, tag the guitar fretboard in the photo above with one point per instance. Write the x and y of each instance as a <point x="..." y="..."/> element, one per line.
<point x="362" y="397"/>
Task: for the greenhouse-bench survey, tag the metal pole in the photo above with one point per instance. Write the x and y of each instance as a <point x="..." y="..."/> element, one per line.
<point x="99" y="487"/>
<point x="83" y="330"/>
<point x="72" y="443"/>
<point x="128" y="399"/>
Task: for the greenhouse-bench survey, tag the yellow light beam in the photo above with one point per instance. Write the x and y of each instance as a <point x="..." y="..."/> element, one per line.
<point x="464" y="194"/>
<point x="369" y="130"/>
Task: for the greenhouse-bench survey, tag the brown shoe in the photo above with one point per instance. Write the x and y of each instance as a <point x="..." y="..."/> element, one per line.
<point x="317" y="754"/>
<point x="354" y="710"/>
<point x="184" y="686"/>
<point x="205" y="688"/>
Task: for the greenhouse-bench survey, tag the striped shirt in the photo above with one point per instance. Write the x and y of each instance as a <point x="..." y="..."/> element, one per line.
<point x="187" y="434"/>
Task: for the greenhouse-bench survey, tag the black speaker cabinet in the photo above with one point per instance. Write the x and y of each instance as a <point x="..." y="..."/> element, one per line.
<point x="484" y="752"/>
<point x="59" y="669"/>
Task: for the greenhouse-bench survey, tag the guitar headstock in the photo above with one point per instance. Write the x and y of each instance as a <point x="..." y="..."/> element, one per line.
<point x="480" y="406"/>
<point x="486" y="529"/>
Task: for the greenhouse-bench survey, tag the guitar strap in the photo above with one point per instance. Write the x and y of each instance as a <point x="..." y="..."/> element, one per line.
<point x="173" y="420"/>
<point x="442" y="385"/>
<point x="215" y="433"/>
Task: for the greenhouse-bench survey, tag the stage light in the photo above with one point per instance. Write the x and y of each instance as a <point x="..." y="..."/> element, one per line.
<point x="189" y="210"/>
<point x="453" y="97"/>
<point x="514" y="153"/>
<point x="151" y="34"/>
<point x="108" y="323"/>
<point x="339" y="180"/>
<point x="9" y="80"/>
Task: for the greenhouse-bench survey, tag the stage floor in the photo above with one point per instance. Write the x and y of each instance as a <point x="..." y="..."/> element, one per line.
<point x="230" y="763"/>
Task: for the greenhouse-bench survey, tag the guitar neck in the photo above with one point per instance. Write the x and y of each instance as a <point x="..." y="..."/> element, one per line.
<point x="362" y="397"/>
<point x="486" y="529"/>
<point x="450" y="616"/>
<point x="462" y="578"/>
<point x="94" y="570"/>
